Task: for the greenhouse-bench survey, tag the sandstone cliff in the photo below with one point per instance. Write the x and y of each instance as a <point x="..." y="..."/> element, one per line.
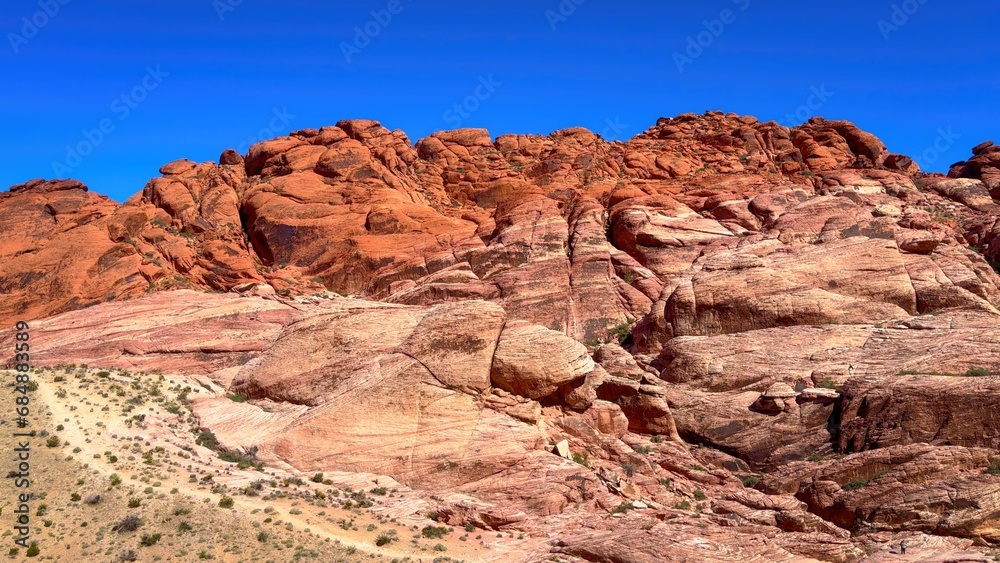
<point x="720" y="340"/>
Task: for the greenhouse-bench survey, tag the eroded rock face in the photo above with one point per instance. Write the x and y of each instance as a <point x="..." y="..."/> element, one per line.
<point x="566" y="230"/>
<point x="415" y="401"/>
<point x="184" y="331"/>
<point x="919" y="487"/>
<point x="791" y="332"/>
<point x="520" y="369"/>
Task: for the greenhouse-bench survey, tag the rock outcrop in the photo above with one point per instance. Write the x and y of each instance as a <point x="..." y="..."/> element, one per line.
<point x="719" y="340"/>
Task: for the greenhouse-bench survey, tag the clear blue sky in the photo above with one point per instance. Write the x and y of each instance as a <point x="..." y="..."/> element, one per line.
<point x="596" y="64"/>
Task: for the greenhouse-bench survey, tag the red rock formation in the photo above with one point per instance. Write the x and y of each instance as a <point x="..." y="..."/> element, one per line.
<point x="712" y="298"/>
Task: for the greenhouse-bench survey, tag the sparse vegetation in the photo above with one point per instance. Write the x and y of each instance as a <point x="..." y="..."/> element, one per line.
<point x="855" y="484"/>
<point x="623" y="508"/>
<point x="243" y="460"/>
<point x="434" y="532"/>
<point x="129" y="523"/>
<point x="622" y="331"/>
<point x="150" y="539"/>
<point x="994" y="467"/>
<point x="383" y="539"/>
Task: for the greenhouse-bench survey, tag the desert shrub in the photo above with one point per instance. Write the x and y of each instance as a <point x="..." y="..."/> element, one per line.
<point x="699" y="495"/>
<point x="92" y="499"/>
<point x="622" y="508"/>
<point x="434" y="532"/>
<point x="383" y="539"/>
<point x="129" y="523"/>
<point x="128" y="555"/>
<point x="134" y="503"/>
<point x="262" y="536"/>
<point x="682" y="505"/>
<point x="150" y="539"/>
<point x="226" y="502"/>
<point x="994" y="468"/>
<point x="855" y="484"/>
<point x="361" y="500"/>
<point x="977" y="372"/>
<point x="207" y="438"/>
<point x="33" y="550"/>
<point x="52" y="441"/>
<point x="317" y="478"/>
<point x="380" y="491"/>
<point x="750" y="481"/>
<point x="622" y="332"/>
<point x="243" y="460"/>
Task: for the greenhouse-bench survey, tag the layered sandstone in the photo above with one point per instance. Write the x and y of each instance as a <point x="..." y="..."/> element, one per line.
<point x="719" y="340"/>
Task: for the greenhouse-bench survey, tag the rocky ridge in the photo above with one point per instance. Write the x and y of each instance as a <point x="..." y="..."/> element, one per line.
<point x="737" y="340"/>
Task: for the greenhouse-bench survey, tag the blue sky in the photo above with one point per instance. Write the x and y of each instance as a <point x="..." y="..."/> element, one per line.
<point x="201" y="76"/>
